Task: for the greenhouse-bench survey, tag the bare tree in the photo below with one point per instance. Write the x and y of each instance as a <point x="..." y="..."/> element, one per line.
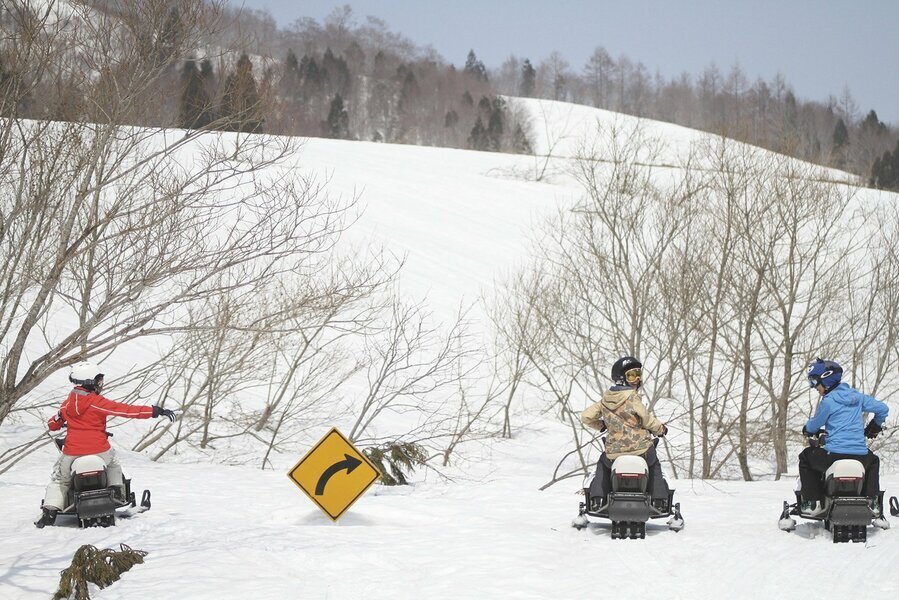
<point x="116" y="232"/>
<point x="409" y="368"/>
<point x="726" y="274"/>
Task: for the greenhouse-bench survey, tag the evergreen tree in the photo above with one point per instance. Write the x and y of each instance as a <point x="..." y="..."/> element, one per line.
<point x="872" y="124"/>
<point x="355" y="57"/>
<point x="409" y="92"/>
<point x="312" y="79"/>
<point x="876" y="174"/>
<point x="336" y="72"/>
<point x="290" y="80"/>
<point x="209" y="85"/>
<point x="475" y="67"/>
<point x="241" y="106"/>
<point x="291" y="63"/>
<point x="885" y="171"/>
<point x="528" y="79"/>
<point x="496" y="124"/>
<point x="520" y="141"/>
<point x="451" y="119"/>
<point x="170" y="38"/>
<point x="195" y="110"/>
<point x="477" y="139"/>
<point x="840" y="136"/>
<point x="338" y="124"/>
<point x="485" y="108"/>
<point x="380" y="66"/>
<point x="891" y="173"/>
<point x="790" y="111"/>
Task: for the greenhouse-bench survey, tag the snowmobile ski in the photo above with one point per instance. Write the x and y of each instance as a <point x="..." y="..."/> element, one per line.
<point x="676" y="522"/>
<point x="136" y="509"/>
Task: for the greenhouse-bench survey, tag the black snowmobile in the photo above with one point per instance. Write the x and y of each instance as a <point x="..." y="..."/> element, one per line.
<point x="628" y="505"/>
<point x="92" y="500"/>
<point x="847" y="512"/>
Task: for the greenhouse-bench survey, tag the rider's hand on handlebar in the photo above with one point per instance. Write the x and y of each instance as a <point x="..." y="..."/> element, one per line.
<point x="872" y="430"/>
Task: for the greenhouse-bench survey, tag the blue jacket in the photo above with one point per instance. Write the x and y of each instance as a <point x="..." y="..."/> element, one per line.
<point x="840" y="412"/>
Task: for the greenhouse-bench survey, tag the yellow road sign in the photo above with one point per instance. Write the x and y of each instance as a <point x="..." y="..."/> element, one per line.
<point x="334" y="474"/>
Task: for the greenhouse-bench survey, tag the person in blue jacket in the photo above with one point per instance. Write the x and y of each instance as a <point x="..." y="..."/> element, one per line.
<point x="840" y="413"/>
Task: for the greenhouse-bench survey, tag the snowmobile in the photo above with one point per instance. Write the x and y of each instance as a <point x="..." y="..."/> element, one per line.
<point x="628" y="505"/>
<point x="92" y="500"/>
<point x="847" y="512"/>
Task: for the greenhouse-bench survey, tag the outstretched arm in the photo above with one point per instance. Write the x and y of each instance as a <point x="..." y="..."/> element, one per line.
<point x="117" y="409"/>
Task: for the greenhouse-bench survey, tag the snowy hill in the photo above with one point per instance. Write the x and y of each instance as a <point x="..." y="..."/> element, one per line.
<point x="462" y="220"/>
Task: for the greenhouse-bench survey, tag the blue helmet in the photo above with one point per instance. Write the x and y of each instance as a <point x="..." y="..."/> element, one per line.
<point x="824" y="372"/>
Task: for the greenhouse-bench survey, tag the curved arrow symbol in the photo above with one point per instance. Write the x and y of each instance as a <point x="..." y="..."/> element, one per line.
<point x="350" y="463"/>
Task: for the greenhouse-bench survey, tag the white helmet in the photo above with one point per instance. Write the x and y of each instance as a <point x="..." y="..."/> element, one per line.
<point x="87" y="375"/>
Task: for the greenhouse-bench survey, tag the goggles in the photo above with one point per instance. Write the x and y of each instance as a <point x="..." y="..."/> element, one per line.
<point x="633" y="375"/>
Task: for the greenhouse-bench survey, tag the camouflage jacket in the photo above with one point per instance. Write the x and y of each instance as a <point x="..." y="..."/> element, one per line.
<point x="628" y="421"/>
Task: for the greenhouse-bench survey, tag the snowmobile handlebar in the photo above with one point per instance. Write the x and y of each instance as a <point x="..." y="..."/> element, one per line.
<point x="816" y="439"/>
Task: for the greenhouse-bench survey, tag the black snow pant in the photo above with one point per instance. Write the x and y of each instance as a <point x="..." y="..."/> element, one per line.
<point x="814" y="462"/>
<point x="656" y="484"/>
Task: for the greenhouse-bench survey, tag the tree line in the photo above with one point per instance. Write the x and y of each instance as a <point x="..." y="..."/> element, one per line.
<point x="336" y="80"/>
<point x="764" y="113"/>
<point x="835" y="132"/>
<point x="343" y="79"/>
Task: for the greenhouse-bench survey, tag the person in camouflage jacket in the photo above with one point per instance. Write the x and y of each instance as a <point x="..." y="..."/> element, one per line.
<point x="628" y="424"/>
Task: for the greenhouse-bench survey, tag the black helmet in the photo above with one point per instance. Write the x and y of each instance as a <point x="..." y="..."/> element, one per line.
<point x="622" y="366"/>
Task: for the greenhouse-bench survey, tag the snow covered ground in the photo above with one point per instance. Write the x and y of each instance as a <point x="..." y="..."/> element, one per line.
<point x="462" y="219"/>
<point x="234" y="532"/>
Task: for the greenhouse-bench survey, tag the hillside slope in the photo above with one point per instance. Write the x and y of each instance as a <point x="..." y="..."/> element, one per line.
<point x="462" y="220"/>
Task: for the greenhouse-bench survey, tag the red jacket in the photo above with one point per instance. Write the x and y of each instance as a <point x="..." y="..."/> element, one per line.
<point x="85" y="414"/>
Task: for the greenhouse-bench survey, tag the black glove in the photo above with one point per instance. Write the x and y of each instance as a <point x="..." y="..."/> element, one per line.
<point x="158" y="411"/>
<point x="664" y="430"/>
<point x="872" y="430"/>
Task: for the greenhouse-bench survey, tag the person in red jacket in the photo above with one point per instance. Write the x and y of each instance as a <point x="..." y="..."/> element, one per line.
<point x="83" y="413"/>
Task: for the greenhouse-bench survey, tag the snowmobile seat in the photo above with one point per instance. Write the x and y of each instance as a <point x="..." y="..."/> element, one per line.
<point x="845" y="478"/>
<point x="89" y="473"/>
<point x="629" y="474"/>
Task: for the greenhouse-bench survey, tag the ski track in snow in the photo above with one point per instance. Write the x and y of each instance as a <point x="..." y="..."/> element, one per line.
<point x="223" y="532"/>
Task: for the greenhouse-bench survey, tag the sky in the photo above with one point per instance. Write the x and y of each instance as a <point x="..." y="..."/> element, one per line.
<point x="820" y="46"/>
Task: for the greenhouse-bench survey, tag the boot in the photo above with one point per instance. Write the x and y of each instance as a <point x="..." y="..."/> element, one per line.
<point x="812" y="508"/>
<point x="48" y="517"/>
<point x="874" y="505"/>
